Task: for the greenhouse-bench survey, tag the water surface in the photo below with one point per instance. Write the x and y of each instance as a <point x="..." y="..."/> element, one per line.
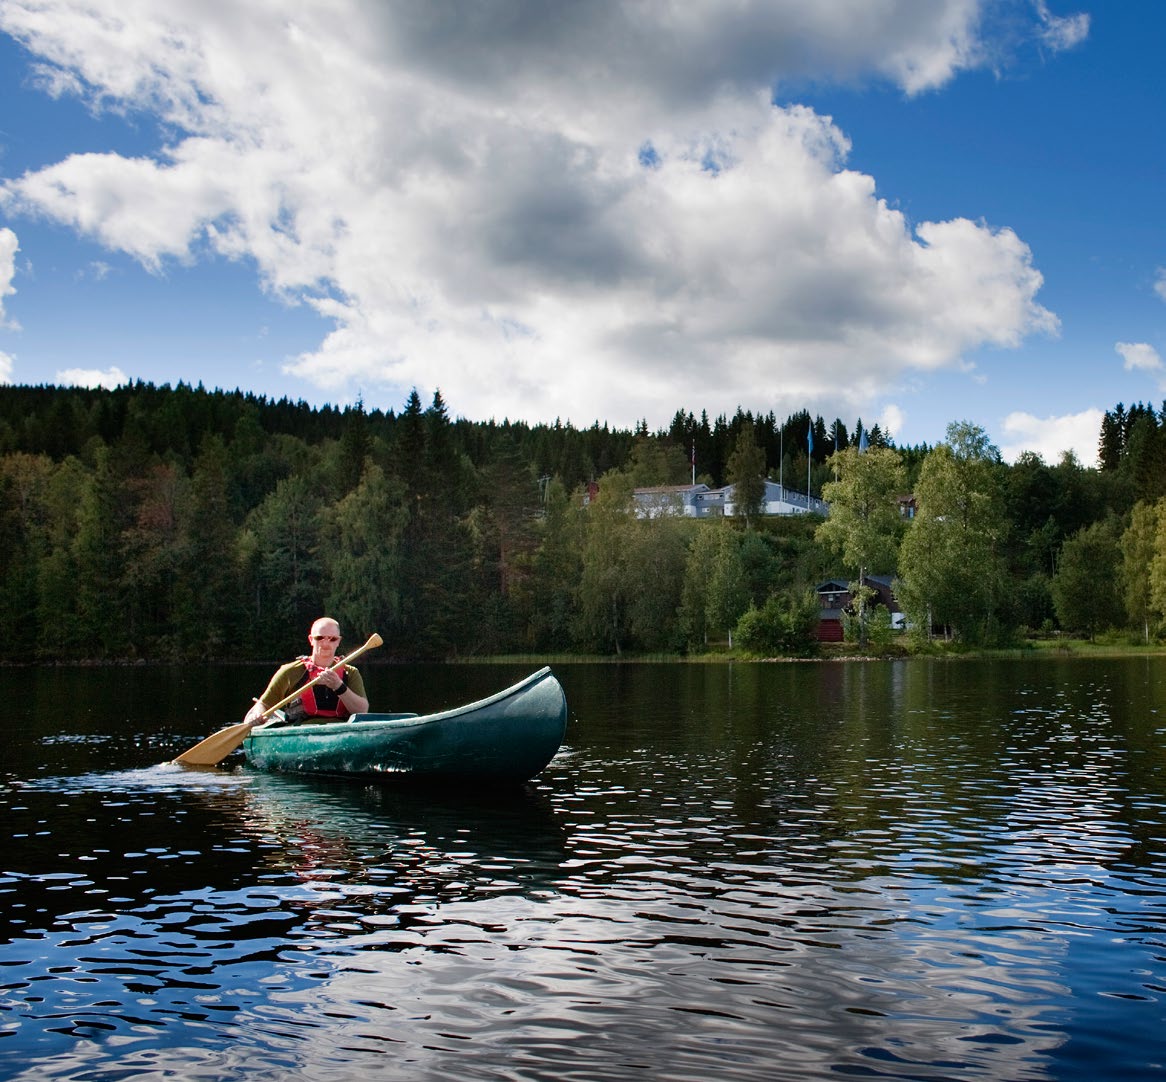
<point x="904" y="870"/>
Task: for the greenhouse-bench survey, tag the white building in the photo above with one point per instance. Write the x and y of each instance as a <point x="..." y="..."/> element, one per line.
<point x="700" y="501"/>
<point x="779" y="500"/>
<point x="689" y="501"/>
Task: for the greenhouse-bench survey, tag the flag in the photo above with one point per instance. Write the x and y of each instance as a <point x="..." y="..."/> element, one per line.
<point x="693" y="459"/>
<point x="862" y="444"/>
<point x="810" y="437"/>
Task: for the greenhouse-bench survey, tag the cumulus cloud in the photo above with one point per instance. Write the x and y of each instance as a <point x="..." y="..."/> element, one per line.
<point x="582" y="211"/>
<point x="9" y="246"/>
<point x="1139" y="357"/>
<point x="91" y="377"/>
<point x="1052" y="437"/>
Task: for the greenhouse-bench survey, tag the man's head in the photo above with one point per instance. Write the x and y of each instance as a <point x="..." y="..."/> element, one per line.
<point x="324" y="637"/>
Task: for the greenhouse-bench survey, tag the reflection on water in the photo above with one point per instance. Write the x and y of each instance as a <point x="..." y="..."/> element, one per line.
<point x="903" y="870"/>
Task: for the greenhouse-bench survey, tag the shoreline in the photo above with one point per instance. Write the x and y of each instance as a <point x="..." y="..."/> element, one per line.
<point x="1073" y="649"/>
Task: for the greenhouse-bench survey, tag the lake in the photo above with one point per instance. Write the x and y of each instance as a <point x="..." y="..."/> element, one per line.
<point x="894" y="870"/>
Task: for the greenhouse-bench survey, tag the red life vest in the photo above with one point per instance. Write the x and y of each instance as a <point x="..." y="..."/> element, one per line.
<point x="320" y="701"/>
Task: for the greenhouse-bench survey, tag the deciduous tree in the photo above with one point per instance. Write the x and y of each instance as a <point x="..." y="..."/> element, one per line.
<point x="864" y="527"/>
<point x="951" y="569"/>
<point x="604" y="585"/>
<point x="1085" y="587"/>
<point x="556" y="569"/>
<point x="1138" y="547"/>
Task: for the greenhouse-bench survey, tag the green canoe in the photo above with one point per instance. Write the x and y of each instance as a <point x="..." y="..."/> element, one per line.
<point x="509" y="736"/>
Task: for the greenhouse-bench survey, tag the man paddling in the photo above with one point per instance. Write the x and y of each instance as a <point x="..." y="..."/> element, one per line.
<point x="336" y="694"/>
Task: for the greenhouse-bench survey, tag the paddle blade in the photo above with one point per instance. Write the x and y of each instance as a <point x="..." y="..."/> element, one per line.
<point x="215" y="747"/>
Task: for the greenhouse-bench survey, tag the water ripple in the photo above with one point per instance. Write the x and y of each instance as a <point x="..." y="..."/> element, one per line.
<point x="964" y="883"/>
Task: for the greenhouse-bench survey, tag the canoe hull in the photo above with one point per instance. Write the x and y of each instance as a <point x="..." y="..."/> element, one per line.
<point x="510" y="736"/>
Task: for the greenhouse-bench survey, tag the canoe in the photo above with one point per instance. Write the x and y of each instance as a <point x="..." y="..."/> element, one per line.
<point x="510" y="736"/>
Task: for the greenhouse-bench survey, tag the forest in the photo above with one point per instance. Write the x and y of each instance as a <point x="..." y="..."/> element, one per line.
<point x="158" y="523"/>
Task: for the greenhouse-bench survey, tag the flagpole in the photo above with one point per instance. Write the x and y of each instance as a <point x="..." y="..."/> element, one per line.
<point x="809" y="460"/>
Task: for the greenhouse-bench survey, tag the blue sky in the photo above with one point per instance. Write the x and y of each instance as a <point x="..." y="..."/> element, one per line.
<point x="912" y="212"/>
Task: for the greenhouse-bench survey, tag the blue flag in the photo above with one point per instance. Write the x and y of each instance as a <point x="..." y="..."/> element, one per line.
<point x="810" y="437"/>
<point x="862" y="444"/>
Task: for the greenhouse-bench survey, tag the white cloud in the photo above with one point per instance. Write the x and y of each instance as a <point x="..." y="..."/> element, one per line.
<point x="97" y="270"/>
<point x="891" y="420"/>
<point x="7" y="367"/>
<point x="91" y="377"/>
<point x="560" y="210"/>
<point x="1062" y="32"/>
<point x="1139" y="357"/>
<point x="1160" y="283"/>
<point x="9" y="246"/>
<point x="1051" y="437"/>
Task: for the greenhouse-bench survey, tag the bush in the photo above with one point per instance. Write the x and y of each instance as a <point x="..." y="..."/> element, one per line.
<point x="782" y="626"/>
<point x="879" y="627"/>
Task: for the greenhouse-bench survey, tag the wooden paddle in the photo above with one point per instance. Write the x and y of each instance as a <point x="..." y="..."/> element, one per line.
<point x="218" y="746"/>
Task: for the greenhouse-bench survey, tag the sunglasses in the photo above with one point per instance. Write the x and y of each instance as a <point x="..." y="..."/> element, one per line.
<point x="326" y="638"/>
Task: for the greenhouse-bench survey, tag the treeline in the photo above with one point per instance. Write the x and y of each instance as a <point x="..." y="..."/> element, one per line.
<point x="179" y="523"/>
<point x="172" y="422"/>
